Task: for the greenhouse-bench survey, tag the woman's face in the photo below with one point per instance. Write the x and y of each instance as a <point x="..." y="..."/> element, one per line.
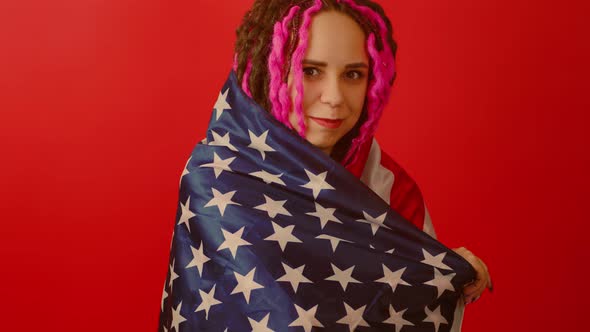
<point x="335" y="77"/>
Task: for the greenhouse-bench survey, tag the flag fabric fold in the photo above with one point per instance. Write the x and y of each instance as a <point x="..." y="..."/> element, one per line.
<point x="271" y="234"/>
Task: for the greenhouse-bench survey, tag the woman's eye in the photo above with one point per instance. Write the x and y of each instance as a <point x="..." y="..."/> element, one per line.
<point x="354" y="75"/>
<point x="310" y="71"/>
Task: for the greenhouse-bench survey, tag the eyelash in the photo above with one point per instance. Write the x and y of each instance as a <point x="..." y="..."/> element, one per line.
<point x="360" y="74"/>
<point x="307" y="71"/>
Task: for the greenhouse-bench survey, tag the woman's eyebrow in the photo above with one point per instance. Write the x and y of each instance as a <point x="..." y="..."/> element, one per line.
<point x="357" y="65"/>
<point x="314" y="63"/>
<point x="323" y="64"/>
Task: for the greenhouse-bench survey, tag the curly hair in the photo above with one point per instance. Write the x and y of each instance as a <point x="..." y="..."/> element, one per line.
<point x="271" y="42"/>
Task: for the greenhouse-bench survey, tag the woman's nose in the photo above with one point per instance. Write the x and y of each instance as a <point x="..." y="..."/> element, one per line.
<point x="331" y="92"/>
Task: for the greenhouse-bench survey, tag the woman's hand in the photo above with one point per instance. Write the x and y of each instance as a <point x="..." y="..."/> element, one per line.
<point x="473" y="290"/>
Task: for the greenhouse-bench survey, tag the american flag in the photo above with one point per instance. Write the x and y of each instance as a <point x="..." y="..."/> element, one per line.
<point x="273" y="235"/>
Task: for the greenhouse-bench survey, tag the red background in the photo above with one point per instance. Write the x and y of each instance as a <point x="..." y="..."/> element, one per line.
<point x="101" y="103"/>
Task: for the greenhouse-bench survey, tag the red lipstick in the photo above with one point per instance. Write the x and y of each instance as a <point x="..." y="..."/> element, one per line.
<point x="328" y="123"/>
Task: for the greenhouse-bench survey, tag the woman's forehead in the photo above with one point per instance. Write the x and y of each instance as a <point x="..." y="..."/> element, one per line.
<point x="336" y="38"/>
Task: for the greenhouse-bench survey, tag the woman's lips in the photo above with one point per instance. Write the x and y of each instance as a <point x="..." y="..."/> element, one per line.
<point x="328" y="123"/>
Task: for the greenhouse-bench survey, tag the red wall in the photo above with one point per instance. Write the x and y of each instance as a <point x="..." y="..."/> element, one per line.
<point x="101" y="103"/>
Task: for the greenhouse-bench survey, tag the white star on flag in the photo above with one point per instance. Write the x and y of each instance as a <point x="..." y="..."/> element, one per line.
<point x="375" y="222"/>
<point x="259" y="143"/>
<point x="233" y="241"/>
<point x="208" y="301"/>
<point x="219" y="140"/>
<point x="306" y="318"/>
<point x="164" y="296"/>
<point x="435" y="261"/>
<point x="334" y="241"/>
<point x="173" y="274"/>
<point x="199" y="259"/>
<point x="435" y="317"/>
<point x="294" y="276"/>
<point x="221" y="105"/>
<point x="324" y="214"/>
<point x="246" y="284"/>
<point x="272" y="207"/>
<point x="185" y="170"/>
<point x="317" y="183"/>
<point x="269" y="177"/>
<point x="342" y="276"/>
<point x="283" y="235"/>
<point x="393" y="278"/>
<point x="221" y="200"/>
<point x="176" y="318"/>
<point x="262" y="325"/>
<point x="172" y="239"/>
<point x="353" y="317"/>
<point x="219" y="165"/>
<point x="186" y="214"/>
<point x="441" y="282"/>
<point x="396" y="318"/>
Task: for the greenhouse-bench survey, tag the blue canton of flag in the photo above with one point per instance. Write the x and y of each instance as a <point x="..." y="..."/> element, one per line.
<point x="273" y="235"/>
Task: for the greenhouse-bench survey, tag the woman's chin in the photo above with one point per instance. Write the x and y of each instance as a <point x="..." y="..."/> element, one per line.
<point x="323" y="145"/>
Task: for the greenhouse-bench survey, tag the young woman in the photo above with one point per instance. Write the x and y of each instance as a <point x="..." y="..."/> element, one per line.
<point x="322" y="71"/>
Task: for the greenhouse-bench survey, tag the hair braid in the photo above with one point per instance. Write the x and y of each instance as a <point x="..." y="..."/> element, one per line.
<point x="297" y="62"/>
<point x="276" y="65"/>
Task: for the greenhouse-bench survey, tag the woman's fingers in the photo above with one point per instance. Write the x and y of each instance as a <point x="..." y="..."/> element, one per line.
<point x="473" y="290"/>
<point x="490" y="286"/>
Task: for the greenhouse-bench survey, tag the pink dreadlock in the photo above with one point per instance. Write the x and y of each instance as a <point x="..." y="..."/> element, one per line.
<point x="278" y="93"/>
<point x="297" y="62"/>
